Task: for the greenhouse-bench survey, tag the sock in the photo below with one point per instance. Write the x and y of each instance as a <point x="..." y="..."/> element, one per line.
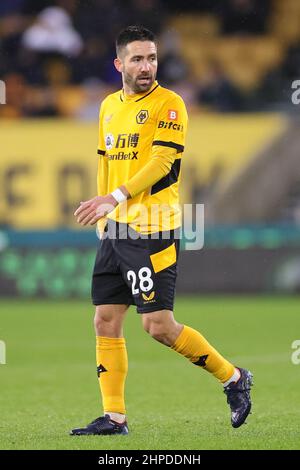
<point x="112" y="367"/>
<point x="234" y="378"/>
<point x="191" y="344"/>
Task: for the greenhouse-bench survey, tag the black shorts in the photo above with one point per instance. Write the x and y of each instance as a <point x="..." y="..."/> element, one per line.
<point x="135" y="269"/>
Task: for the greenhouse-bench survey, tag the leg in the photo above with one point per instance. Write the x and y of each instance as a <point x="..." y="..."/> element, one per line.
<point x="188" y="342"/>
<point x="111" y="296"/>
<point x="163" y="327"/>
<point x="111" y="355"/>
<point x="112" y="366"/>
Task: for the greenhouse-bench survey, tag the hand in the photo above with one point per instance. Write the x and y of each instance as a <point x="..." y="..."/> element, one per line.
<point x="89" y="212"/>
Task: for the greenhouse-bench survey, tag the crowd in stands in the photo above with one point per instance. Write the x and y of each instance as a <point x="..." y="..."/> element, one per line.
<point x="56" y="57"/>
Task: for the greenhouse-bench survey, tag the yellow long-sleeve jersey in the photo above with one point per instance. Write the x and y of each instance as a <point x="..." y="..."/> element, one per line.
<point x="141" y="141"/>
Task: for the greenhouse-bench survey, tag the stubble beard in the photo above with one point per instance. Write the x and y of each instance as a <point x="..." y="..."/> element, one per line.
<point x="137" y="87"/>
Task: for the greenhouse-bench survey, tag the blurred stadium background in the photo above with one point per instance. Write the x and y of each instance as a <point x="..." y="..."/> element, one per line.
<point x="234" y="63"/>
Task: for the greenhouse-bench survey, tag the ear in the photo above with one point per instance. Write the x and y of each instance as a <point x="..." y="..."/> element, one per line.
<point x="118" y="64"/>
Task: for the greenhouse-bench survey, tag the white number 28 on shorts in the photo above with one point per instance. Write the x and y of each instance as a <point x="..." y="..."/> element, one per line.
<point x="145" y="281"/>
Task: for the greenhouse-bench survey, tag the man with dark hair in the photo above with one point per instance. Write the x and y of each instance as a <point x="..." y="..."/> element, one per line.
<point x="141" y="141"/>
<point x="131" y="34"/>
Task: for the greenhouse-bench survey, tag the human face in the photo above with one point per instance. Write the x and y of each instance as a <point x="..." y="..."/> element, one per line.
<point x="138" y="64"/>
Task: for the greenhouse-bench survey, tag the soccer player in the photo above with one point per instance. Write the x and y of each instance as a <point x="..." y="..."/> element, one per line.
<point x="141" y="141"/>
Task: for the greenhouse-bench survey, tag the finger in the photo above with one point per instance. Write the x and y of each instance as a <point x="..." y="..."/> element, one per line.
<point x="88" y="201"/>
<point x="84" y="213"/>
<point x="78" y="210"/>
<point x="96" y="218"/>
<point x="83" y="205"/>
<point x="88" y="218"/>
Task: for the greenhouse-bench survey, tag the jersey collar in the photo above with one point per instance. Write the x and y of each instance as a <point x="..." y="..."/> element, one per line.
<point x="138" y="96"/>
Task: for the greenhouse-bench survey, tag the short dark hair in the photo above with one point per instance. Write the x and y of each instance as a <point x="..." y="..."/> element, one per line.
<point x="134" y="33"/>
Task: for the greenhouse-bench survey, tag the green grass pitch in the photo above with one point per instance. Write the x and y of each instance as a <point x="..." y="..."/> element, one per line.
<point x="49" y="383"/>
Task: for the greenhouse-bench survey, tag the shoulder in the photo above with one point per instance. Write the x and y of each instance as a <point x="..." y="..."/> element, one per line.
<point x="172" y="105"/>
<point x="168" y="96"/>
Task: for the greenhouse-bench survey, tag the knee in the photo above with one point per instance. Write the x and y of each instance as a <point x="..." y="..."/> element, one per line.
<point x="108" y="322"/>
<point x="157" y="330"/>
<point x="162" y="326"/>
<point x="102" y="321"/>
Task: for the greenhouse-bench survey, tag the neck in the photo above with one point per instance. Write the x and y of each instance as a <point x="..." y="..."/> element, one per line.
<point x="128" y="90"/>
